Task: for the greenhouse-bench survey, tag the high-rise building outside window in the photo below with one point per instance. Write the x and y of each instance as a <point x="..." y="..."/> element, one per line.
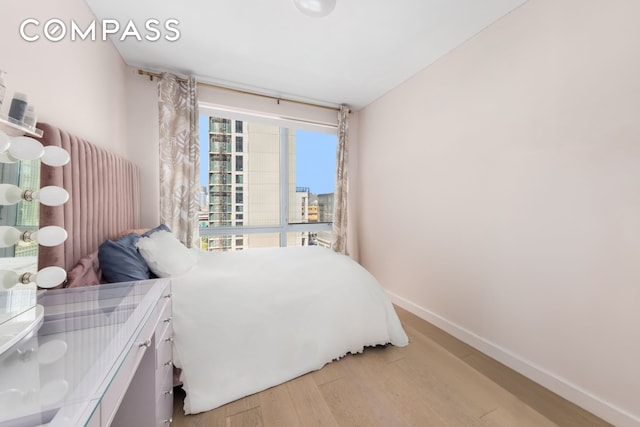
<point x="272" y="175"/>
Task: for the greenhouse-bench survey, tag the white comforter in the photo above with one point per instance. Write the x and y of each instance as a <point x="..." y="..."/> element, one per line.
<point x="246" y="321"/>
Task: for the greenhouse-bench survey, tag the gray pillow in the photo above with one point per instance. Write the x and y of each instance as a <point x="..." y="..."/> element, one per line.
<point x="120" y="260"/>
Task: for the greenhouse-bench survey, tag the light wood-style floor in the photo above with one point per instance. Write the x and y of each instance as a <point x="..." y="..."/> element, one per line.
<point x="436" y="380"/>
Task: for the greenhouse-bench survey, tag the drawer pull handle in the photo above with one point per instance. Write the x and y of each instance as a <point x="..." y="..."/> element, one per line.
<point x="168" y="421"/>
<point x="166" y="296"/>
<point x="146" y="343"/>
<point x="167" y="320"/>
<point x="169" y="363"/>
<point x="170" y="339"/>
<point x="168" y="392"/>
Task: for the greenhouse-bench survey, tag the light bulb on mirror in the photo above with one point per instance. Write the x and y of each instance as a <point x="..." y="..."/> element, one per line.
<point x="50" y="195"/>
<point x="9" y="236"/>
<point x="9" y="194"/>
<point x="8" y="279"/>
<point x="46" y="236"/>
<point x="19" y="148"/>
<point x="55" y="156"/>
<point x="16" y="148"/>
<point x="25" y="148"/>
<point x="51" y="235"/>
<point x="48" y="277"/>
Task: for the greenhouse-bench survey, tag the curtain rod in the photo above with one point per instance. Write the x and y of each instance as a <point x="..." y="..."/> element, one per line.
<point x="244" y="92"/>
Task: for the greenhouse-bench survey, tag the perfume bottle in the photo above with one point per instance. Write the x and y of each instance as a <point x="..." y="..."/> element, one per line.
<point x="18" y="108"/>
<point x="30" y="119"/>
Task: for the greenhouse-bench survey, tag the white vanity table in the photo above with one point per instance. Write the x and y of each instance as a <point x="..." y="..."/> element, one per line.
<point x="101" y="357"/>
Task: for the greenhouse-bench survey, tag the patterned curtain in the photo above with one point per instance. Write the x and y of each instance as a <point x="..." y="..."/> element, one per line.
<point x="339" y="243"/>
<point x="179" y="156"/>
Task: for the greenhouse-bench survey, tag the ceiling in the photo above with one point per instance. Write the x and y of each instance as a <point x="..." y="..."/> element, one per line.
<point x="363" y="49"/>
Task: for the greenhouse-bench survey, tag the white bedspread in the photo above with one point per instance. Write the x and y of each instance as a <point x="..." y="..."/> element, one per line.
<point x="246" y="321"/>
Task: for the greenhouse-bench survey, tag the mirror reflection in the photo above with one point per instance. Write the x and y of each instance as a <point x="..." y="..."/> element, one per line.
<point x="23" y="216"/>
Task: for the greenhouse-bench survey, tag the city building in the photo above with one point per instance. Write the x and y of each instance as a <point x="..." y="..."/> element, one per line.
<point x="325" y="214"/>
<point x="244" y="182"/>
<point x="325" y="207"/>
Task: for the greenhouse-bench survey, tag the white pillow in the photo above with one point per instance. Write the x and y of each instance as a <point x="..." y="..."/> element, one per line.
<point x="166" y="255"/>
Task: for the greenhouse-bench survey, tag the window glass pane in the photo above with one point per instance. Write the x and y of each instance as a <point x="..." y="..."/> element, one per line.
<point x="242" y="182"/>
<point x="24" y="216"/>
<point x="261" y="181"/>
<point x="322" y="238"/>
<point x="314" y="177"/>
<point x="263" y="240"/>
<point x="234" y="242"/>
<point x="310" y="238"/>
<point x="247" y="178"/>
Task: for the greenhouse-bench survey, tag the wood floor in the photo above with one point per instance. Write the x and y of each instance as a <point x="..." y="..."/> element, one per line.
<point x="435" y="381"/>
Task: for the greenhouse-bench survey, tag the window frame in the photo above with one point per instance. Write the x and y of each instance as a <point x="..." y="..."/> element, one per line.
<point x="284" y="227"/>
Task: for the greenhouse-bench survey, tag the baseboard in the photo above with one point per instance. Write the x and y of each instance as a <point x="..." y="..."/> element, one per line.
<point x="571" y="392"/>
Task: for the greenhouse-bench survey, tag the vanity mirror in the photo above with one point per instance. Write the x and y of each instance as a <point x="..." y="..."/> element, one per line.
<point x="20" y="235"/>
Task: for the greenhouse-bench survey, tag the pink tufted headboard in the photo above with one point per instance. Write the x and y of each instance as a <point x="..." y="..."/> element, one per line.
<point x="104" y="198"/>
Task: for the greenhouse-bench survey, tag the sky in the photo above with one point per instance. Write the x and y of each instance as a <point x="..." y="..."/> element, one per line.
<point x="315" y="158"/>
<point x="316" y="161"/>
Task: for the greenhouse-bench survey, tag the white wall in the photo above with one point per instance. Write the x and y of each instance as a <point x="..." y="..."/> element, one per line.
<point x="77" y="86"/>
<point x="499" y="197"/>
<point x="85" y="88"/>
<point x="143" y="136"/>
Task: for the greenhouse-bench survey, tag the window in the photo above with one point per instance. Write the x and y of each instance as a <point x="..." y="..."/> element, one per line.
<point x="283" y="183"/>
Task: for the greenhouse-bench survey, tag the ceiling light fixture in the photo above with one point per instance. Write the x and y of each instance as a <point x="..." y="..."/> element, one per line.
<point x="315" y="8"/>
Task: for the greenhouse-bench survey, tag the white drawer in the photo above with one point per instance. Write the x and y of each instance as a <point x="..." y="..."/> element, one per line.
<point x="165" y="322"/>
<point x="164" y="408"/>
<point x="116" y="391"/>
<point x="164" y="352"/>
<point x="164" y="374"/>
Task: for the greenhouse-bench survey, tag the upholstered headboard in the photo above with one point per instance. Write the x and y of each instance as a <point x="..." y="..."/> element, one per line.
<point x="104" y="200"/>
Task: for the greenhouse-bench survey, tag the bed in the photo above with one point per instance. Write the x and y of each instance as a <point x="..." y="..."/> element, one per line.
<point x="243" y="321"/>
